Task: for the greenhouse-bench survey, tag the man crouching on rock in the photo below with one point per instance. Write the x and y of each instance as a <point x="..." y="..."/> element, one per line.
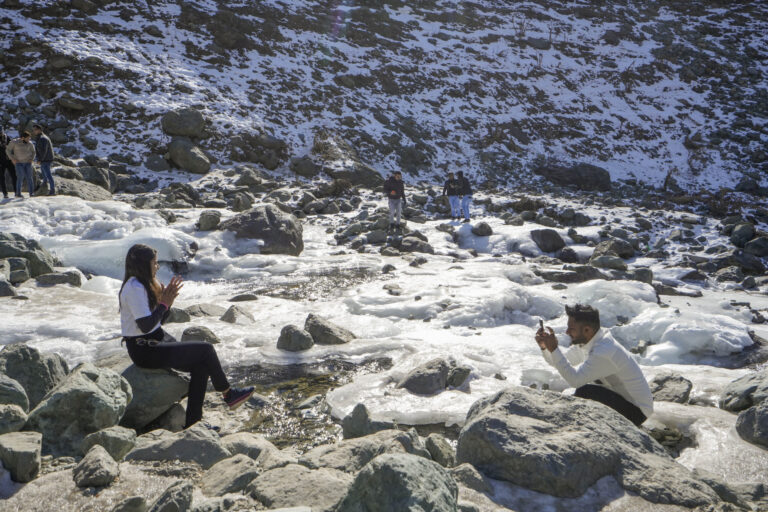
<point x="606" y="372"/>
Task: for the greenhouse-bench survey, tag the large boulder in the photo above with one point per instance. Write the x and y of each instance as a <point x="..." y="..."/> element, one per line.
<point x="185" y="122"/>
<point x="87" y="400"/>
<point x="200" y="333"/>
<point x="76" y="188"/>
<point x="20" y="454"/>
<point x="358" y="423"/>
<point x="428" y="378"/>
<point x="187" y="156"/>
<point x="294" y="339"/>
<point x="176" y="498"/>
<point x="117" y="441"/>
<point x="13" y="245"/>
<point x="71" y="277"/>
<point x="196" y="444"/>
<point x="12" y="393"/>
<point x="614" y="247"/>
<point x="350" y="455"/>
<point x="582" y="176"/>
<point x="757" y="247"/>
<point x="562" y="445"/>
<point x="670" y="387"/>
<point x="401" y="483"/>
<point x="325" y="332"/>
<point x="752" y="424"/>
<point x="294" y="485"/>
<point x="97" y="469"/>
<point x="548" y="240"/>
<point x="280" y="231"/>
<point x="12" y="418"/>
<point x="742" y="233"/>
<point x="229" y="475"/>
<point x="341" y="161"/>
<point x="746" y="391"/>
<point x="255" y="446"/>
<point x="37" y="373"/>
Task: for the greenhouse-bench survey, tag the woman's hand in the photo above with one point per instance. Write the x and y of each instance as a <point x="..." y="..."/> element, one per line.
<point x="170" y="292"/>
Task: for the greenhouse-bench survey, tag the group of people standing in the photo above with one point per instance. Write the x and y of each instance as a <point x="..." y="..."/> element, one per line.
<point x="457" y="189"/>
<point x="17" y="157"/>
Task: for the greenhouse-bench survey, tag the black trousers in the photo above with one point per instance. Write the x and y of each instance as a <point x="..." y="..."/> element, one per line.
<point x="7" y="166"/>
<point x="196" y="357"/>
<point x="613" y="400"/>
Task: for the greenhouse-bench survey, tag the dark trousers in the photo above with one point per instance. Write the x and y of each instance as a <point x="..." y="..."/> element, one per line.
<point x="7" y="167"/>
<point x="613" y="400"/>
<point x="196" y="357"/>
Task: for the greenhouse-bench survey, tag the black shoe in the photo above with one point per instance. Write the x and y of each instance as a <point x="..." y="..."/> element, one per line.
<point x="235" y="397"/>
<point x="19" y="196"/>
<point x="5" y="196"/>
<point x="52" y="193"/>
<point x="465" y="221"/>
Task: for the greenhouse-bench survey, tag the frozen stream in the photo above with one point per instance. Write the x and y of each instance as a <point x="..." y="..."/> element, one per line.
<point x="480" y="311"/>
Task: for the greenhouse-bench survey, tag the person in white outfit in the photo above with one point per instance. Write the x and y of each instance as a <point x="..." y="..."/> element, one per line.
<point x="605" y="371"/>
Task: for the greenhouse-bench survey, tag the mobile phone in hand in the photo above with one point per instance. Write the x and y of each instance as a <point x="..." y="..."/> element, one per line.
<point x="541" y="324"/>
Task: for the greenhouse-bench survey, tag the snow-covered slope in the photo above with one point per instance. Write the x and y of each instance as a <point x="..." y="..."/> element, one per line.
<point x="637" y="87"/>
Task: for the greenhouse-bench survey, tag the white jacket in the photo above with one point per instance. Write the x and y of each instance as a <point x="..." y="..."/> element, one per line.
<point x="605" y="359"/>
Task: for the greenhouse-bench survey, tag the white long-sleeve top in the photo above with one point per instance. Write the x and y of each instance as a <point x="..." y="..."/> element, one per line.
<point x="605" y="359"/>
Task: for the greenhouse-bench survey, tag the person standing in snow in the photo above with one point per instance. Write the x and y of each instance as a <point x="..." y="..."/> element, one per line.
<point x="21" y="151"/>
<point x="465" y="190"/>
<point x="395" y="191"/>
<point x="144" y="306"/>
<point x="6" y="166"/>
<point x="606" y="372"/>
<point x="451" y="190"/>
<point x="44" y="150"/>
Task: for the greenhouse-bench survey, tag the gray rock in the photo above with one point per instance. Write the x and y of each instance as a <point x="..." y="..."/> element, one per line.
<point x="14" y="245"/>
<point x="12" y="418"/>
<point x="482" y="229"/>
<point x="582" y="176"/>
<point x="177" y="498"/>
<point x="294" y="485"/>
<point x="229" y="475"/>
<point x="281" y="232"/>
<point x="205" y="310"/>
<point x="548" y="240"/>
<point x="255" y="446"/>
<point x="196" y="444"/>
<point x="157" y="163"/>
<point x="102" y="392"/>
<point x="37" y="373"/>
<point x="132" y="504"/>
<point x="742" y="233"/>
<point x="294" y="339"/>
<point x="188" y="157"/>
<point x="185" y="122"/>
<point x="561" y="445"/>
<point x="117" y="441"/>
<point x="154" y="392"/>
<point x="614" y="247"/>
<point x="670" y="387"/>
<point x="6" y="288"/>
<point x="100" y="177"/>
<point x="177" y="316"/>
<point x="458" y="376"/>
<point x="20" y="454"/>
<point x="341" y="161"/>
<point x="441" y="450"/>
<point x="209" y="220"/>
<point x="12" y="393"/>
<point x="200" y="333"/>
<point x="172" y="420"/>
<point x="757" y="247"/>
<point x="609" y="262"/>
<point x="401" y="483"/>
<point x="468" y="476"/>
<point x="746" y="391"/>
<point x="324" y="332"/>
<point x="752" y="424"/>
<point x="305" y="167"/>
<point x="97" y="469"/>
<point x="244" y="297"/>
<point x="82" y="189"/>
<point x="358" y="423"/>
<point x="642" y="274"/>
<point x="427" y="379"/>
<point x="71" y="277"/>
<point x="413" y="244"/>
<point x="237" y="315"/>
<point x="350" y="455"/>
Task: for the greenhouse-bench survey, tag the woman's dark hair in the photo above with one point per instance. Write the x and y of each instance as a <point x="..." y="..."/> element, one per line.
<point x="138" y="264"/>
<point x="584" y="315"/>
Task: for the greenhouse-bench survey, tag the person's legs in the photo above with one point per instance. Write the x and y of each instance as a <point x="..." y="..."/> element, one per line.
<point x="45" y="168"/>
<point x="399" y="211"/>
<point x="12" y="171"/>
<point x="198" y="382"/>
<point x="613" y="400"/>
<point x="3" y="186"/>
<point x="22" y="171"/>
<point x="455" y="208"/>
<point x="466" y="201"/>
<point x="392" y="208"/>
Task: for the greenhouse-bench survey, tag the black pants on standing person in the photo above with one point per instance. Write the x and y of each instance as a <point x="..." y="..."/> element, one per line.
<point x="6" y="166"/>
<point x="196" y="357"/>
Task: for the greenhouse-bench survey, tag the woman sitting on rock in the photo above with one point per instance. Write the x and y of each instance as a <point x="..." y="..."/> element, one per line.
<point x="144" y="305"/>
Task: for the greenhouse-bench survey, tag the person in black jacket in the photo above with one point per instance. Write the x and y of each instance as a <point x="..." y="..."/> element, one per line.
<point x="395" y="191"/>
<point x="465" y="190"/>
<point x="44" y="156"/>
<point x="451" y="190"/>
<point x="6" y="166"/>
